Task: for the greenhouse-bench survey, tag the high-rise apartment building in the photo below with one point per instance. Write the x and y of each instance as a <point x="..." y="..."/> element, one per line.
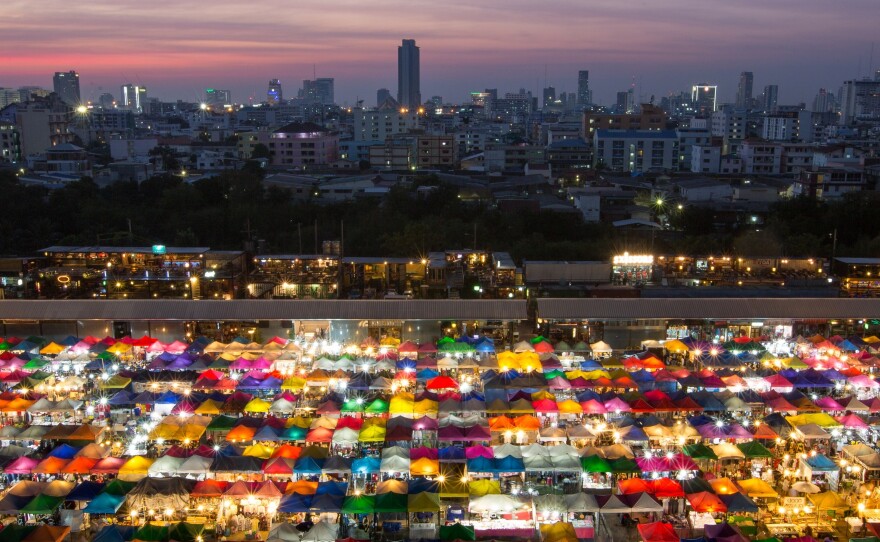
<point x="409" y="93"/>
<point x="705" y="98"/>
<point x="216" y="97"/>
<point x="859" y="100"/>
<point x="585" y="95"/>
<point x="770" y="98"/>
<point x="549" y="96"/>
<point x="744" y="91"/>
<point x="824" y="102"/>
<point x="133" y="97"/>
<point x="319" y="91"/>
<point x="66" y="86"/>
<point x="274" y="95"/>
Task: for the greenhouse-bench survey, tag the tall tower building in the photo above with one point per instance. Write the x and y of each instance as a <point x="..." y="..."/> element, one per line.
<point x="133" y="97"/>
<point x="584" y="95"/>
<point x="382" y="96"/>
<point x="549" y="96"/>
<point x="66" y="86"/>
<point x="409" y="93"/>
<point x="770" y="97"/>
<point x="705" y="98"/>
<point x="274" y="94"/>
<point x="318" y="91"/>
<point x="744" y="91"/>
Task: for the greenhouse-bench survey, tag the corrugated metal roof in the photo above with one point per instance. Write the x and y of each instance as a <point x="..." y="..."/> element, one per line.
<point x="169" y="309"/>
<point x="754" y="308"/>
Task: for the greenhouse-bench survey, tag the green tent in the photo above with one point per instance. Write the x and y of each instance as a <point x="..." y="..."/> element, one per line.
<point x="457" y="531"/>
<point x="753" y="449"/>
<point x="445" y="340"/>
<point x="5" y="345"/>
<point x="596" y="464"/>
<point x="152" y="533"/>
<point x="16" y="533"/>
<point x="219" y="363"/>
<point x="186" y="532"/>
<point x="42" y="504"/>
<point x="624" y="465"/>
<point x="378" y="406"/>
<point x="106" y="356"/>
<point x="36" y="363"/>
<point x="222" y="423"/>
<point x="699" y="451"/>
<point x="390" y="503"/>
<point x="352" y="405"/>
<point x="118" y="487"/>
<point x="538" y="339"/>
<point x="771" y="539"/>
<point x="294" y="432"/>
<point x="359" y="504"/>
<point x="553" y="374"/>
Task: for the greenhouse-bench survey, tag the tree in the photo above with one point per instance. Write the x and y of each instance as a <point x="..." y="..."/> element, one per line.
<point x="260" y="151"/>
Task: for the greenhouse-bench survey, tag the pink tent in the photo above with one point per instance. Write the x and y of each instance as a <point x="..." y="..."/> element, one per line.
<point x="22" y="465"/>
<point x="852" y="421"/>
<point x="617" y="405"/>
<point x="862" y="381"/>
<point x="473" y="452"/>
<point x="778" y="381"/>
<point x="828" y="404"/>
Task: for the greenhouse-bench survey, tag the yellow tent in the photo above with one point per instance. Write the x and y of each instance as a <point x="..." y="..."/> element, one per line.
<point x="424" y="467"/>
<point x="135" y="468"/>
<point x="115" y="382"/>
<point x="425" y="406"/>
<point x="51" y="349"/>
<point x="165" y="431"/>
<point x="191" y="432"/>
<point x="675" y="346"/>
<point x="209" y="408"/>
<point x="828" y="501"/>
<point x="544" y="394"/>
<point x="755" y="487"/>
<point x="258" y="450"/>
<point x="293" y="383"/>
<point x="507" y="360"/>
<point x="723" y="486"/>
<point x="819" y="418"/>
<point x="299" y="421"/>
<point x="595" y="374"/>
<point x="119" y="348"/>
<point x="569" y="407"/>
<point x="423" y="502"/>
<point x="402" y="403"/>
<point x="390" y="341"/>
<point x="478" y="488"/>
<point x="529" y="361"/>
<point x="257" y="405"/>
<point x="558" y="532"/>
<point x="372" y="433"/>
<point x="872" y="339"/>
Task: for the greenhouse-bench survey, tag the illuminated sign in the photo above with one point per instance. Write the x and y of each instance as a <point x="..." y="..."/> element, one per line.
<point x="159" y="249"/>
<point x="633" y="259"/>
<point x="63" y="279"/>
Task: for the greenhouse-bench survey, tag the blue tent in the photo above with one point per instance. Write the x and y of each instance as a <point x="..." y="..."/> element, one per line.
<point x="737" y="502"/>
<point x="848" y="345"/>
<point x="105" y="503"/>
<point x="452" y="453"/>
<point x="327" y="502"/>
<point x="115" y="533"/>
<point x="365" y="465"/>
<point x="510" y="464"/>
<point x="406" y="363"/>
<point x="121" y="398"/>
<point x="85" y="491"/>
<point x="308" y="465"/>
<point x="485" y="347"/>
<point x="418" y="485"/>
<point x="65" y="451"/>
<point x="821" y="462"/>
<point x="332" y="488"/>
<point x="426" y="374"/>
<point x="294" y="503"/>
<point x="481" y="464"/>
<point x="168" y="398"/>
<point x="70" y="340"/>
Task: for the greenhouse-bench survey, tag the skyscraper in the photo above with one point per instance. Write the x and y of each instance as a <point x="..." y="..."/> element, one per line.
<point x="274" y="94"/>
<point x="744" y="91"/>
<point x="67" y="87"/>
<point x="585" y="95"/>
<point x="318" y="91"/>
<point x="409" y="93"/>
<point x="770" y="97"/>
<point x="133" y="97"/>
<point x="824" y="102"/>
<point x="549" y="96"/>
<point x="704" y="97"/>
<point x="382" y="96"/>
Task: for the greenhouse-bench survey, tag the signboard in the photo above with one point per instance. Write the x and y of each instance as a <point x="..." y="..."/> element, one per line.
<point x="159" y="249"/>
<point x="793" y="502"/>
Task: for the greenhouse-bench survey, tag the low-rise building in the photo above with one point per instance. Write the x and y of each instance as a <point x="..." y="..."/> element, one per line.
<point x="302" y="145"/>
<point x="636" y="150"/>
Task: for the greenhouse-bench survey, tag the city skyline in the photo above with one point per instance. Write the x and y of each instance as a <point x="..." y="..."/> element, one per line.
<point x="510" y="48"/>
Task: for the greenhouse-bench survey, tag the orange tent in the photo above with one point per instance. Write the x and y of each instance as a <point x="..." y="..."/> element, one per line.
<point x="424" y="467"/>
<point x="241" y="433"/>
<point x="634" y="485"/>
<point x="500" y="423"/>
<point x="303" y="487"/>
<point x="50" y="465"/>
<point x="527" y="423"/>
<point x="80" y="465"/>
<point x="723" y="486"/>
<point x="287" y="450"/>
<point x="706" y="502"/>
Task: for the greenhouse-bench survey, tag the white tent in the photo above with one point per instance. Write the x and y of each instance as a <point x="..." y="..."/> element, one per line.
<point x="165" y="465"/>
<point x="345" y="436"/>
<point x="321" y="532"/>
<point x="538" y="463"/>
<point x="505" y="450"/>
<point x="394" y="464"/>
<point x="565" y="463"/>
<point x="552" y="434"/>
<point x="601" y="347"/>
<point x="646" y="503"/>
<point x="811" y="431"/>
<point x="581" y="502"/>
<point x="195" y="464"/>
<point x="493" y="503"/>
<point x="563" y="449"/>
<point x="523" y="346"/>
<point x="726" y="450"/>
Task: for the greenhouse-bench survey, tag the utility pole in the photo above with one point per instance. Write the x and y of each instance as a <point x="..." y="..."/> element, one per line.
<point x="316" y="236"/>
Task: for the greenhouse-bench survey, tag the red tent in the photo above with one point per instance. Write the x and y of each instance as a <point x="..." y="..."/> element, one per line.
<point x="634" y="485"/>
<point x="658" y="531"/>
<point x="706" y="502"/>
<point x="143" y="342"/>
<point x="666" y="488"/>
<point x="442" y="383"/>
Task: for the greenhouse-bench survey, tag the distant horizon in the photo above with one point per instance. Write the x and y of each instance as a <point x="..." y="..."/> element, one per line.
<point x="505" y="45"/>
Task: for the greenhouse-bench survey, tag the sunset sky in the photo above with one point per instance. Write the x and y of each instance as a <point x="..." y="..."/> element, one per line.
<point x="177" y="48"/>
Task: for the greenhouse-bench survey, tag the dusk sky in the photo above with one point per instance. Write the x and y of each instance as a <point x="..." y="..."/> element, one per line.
<point x="177" y="48"/>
